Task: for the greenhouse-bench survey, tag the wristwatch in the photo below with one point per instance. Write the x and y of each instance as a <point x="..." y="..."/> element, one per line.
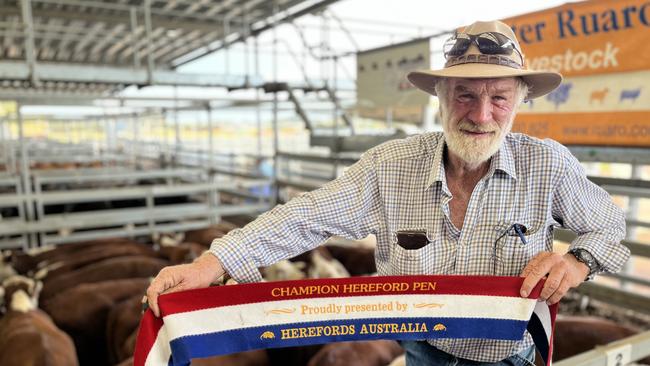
<point x="582" y="255"/>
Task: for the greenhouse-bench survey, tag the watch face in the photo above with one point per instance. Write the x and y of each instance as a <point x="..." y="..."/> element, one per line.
<point x="586" y="258"/>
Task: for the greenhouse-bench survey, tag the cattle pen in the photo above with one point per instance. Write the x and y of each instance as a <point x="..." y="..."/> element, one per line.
<point x="135" y="132"/>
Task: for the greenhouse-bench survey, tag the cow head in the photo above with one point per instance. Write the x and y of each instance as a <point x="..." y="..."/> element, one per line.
<point x="26" y="290"/>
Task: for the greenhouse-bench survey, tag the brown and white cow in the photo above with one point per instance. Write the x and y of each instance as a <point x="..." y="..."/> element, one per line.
<point x="32" y="260"/>
<point x="359" y="260"/>
<point x="123" y="319"/>
<point x="90" y="255"/>
<point x="82" y="310"/>
<point x="108" y="269"/>
<point x="284" y="270"/>
<point x="27" y="334"/>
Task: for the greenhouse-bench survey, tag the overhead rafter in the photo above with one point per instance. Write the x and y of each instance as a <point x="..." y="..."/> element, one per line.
<point x="76" y="44"/>
<point x="268" y="23"/>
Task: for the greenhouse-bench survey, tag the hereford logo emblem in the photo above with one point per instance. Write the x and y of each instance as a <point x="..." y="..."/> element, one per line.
<point x="438" y="327"/>
<point x="267" y="335"/>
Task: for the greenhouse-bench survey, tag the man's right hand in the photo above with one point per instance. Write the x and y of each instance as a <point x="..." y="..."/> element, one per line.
<point x="198" y="274"/>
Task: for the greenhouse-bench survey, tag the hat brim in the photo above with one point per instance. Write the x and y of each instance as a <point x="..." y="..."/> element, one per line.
<point x="539" y="82"/>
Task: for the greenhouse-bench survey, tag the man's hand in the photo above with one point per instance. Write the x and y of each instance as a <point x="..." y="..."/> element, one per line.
<point x="198" y="274"/>
<point x="563" y="271"/>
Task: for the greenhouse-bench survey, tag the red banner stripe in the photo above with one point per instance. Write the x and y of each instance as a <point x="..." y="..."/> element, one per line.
<point x="317" y="288"/>
<point x="147" y="334"/>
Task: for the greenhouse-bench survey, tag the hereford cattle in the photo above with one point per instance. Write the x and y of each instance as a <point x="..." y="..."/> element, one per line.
<point x="15" y="283"/>
<point x="227" y="226"/>
<point x="284" y="270"/>
<point x="91" y="255"/>
<point x="6" y="271"/>
<point x="82" y="312"/>
<point x="108" y="269"/>
<point x="577" y="334"/>
<point x="128" y="348"/>
<point x="184" y="252"/>
<point x="29" y="337"/>
<point x="321" y="264"/>
<point x="358" y="260"/>
<point x="25" y="262"/>
<point x="363" y="353"/>
<point x="204" y="236"/>
<point x="123" y="319"/>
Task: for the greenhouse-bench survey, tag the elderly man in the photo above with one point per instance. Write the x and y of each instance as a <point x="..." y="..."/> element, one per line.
<point x="473" y="200"/>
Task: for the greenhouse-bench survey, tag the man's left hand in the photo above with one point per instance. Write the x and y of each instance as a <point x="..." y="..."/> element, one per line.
<point x="562" y="273"/>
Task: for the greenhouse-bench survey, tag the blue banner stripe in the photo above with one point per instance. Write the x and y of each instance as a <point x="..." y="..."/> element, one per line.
<point x="299" y="334"/>
<point x="540" y="338"/>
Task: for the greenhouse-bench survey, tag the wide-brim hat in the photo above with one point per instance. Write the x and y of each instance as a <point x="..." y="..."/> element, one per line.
<point x="475" y="65"/>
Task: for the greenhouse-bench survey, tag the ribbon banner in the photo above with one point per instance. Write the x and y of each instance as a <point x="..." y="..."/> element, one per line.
<point x="229" y="319"/>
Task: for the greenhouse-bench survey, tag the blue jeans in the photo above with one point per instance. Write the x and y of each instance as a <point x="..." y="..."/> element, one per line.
<point x="421" y="353"/>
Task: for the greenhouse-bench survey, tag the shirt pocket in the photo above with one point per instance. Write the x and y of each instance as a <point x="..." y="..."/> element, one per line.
<point x="429" y="259"/>
<point x="512" y="255"/>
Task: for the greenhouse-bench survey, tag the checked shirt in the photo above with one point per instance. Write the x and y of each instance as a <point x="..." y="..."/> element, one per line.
<point x="401" y="185"/>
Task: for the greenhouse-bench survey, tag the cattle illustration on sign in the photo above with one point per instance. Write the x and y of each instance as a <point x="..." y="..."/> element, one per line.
<point x="600" y="48"/>
<point x="560" y="95"/>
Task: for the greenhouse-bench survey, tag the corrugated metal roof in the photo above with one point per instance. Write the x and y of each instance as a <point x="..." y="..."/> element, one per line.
<point x="114" y="32"/>
<point x="44" y="40"/>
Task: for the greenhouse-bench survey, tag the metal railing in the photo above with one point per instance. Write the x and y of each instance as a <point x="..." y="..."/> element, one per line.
<point x="145" y="214"/>
<point x="618" y="353"/>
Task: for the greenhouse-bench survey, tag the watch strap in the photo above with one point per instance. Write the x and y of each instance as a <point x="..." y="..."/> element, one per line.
<point x="584" y="256"/>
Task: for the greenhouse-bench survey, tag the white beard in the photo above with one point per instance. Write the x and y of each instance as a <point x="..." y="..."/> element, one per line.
<point x="474" y="151"/>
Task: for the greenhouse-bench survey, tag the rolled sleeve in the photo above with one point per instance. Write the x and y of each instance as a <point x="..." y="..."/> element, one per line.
<point x="588" y="210"/>
<point x="347" y="206"/>
<point x="235" y="260"/>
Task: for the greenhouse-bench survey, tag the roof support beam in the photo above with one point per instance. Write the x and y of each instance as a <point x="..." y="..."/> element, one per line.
<point x="28" y="28"/>
<point x="134" y="35"/>
<point x="268" y="25"/>
<point x="147" y="26"/>
<point x="203" y="25"/>
<point x="13" y="70"/>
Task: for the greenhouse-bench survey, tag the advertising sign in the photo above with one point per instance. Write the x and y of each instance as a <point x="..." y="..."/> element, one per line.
<point x="382" y="87"/>
<point x="601" y="48"/>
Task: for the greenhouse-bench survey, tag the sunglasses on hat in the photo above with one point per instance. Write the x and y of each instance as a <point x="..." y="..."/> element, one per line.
<point x="489" y="43"/>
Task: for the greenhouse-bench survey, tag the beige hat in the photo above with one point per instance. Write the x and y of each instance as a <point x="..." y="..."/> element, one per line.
<point x="473" y="64"/>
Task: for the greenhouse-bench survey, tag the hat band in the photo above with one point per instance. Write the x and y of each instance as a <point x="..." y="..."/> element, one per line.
<point x="482" y="59"/>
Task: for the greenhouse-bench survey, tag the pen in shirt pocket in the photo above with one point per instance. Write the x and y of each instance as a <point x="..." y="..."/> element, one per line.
<point x="520" y="230"/>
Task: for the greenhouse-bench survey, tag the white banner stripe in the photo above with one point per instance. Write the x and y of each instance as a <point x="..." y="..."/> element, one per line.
<point x="161" y="349"/>
<point x="304" y="310"/>
<point x="544" y="315"/>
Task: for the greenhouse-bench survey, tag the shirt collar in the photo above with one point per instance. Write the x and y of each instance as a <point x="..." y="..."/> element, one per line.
<point x="437" y="173"/>
<point x="503" y="160"/>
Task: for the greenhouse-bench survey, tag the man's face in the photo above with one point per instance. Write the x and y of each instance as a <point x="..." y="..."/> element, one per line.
<point x="476" y="116"/>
